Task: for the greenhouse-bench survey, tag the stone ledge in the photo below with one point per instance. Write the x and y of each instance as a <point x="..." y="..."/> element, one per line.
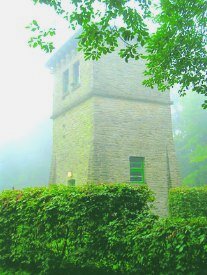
<point x="93" y="94"/>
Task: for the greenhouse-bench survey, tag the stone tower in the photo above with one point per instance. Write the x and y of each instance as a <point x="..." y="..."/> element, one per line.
<point x="108" y="127"/>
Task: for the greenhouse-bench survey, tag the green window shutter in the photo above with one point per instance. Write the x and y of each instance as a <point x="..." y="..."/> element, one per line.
<point x="136" y="169"/>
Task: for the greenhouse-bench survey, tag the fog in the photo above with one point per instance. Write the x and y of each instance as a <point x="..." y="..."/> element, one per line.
<point x="25" y="96"/>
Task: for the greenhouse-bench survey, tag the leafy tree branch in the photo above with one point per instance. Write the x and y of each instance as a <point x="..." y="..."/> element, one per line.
<point x="175" y="52"/>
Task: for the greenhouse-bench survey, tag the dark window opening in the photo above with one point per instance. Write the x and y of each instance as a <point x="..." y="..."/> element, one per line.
<point x="76" y="74"/>
<point x="136" y="169"/>
<point x="71" y="182"/>
<point x="65" y="81"/>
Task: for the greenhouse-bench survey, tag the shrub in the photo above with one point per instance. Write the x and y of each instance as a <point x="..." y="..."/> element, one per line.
<point x="169" y="246"/>
<point x="96" y="230"/>
<point x="188" y="202"/>
<point x="50" y="228"/>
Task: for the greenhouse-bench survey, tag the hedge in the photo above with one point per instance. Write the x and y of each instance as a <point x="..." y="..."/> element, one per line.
<point x="188" y="202"/>
<point x="49" y="228"/>
<point x="105" y="229"/>
<point x="148" y="245"/>
<point x="169" y="246"/>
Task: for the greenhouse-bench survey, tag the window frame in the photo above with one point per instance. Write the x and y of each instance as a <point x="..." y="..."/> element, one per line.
<point x="134" y="165"/>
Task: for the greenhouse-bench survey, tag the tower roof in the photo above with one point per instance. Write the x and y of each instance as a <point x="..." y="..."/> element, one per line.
<point x="63" y="50"/>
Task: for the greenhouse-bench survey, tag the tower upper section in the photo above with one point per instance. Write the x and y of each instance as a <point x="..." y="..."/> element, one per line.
<point x="75" y="79"/>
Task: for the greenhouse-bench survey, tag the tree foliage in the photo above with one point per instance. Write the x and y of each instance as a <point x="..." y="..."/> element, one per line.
<point x="175" y="51"/>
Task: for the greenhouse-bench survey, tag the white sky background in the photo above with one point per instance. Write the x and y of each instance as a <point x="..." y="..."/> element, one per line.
<point x="25" y="82"/>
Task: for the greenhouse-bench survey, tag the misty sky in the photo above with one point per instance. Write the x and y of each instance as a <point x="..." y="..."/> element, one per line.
<point x="26" y="84"/>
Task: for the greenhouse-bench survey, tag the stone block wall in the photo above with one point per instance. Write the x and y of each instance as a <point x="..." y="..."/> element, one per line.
<point x="124" y="128"/>
<point x="114" y="77"/>
<point x="73" y="144"/>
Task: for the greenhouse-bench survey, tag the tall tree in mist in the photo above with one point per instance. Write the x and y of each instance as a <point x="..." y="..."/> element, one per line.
<point x="191" y="140"/>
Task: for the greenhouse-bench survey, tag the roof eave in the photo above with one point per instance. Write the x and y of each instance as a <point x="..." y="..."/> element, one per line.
<point x="60" y="53"/>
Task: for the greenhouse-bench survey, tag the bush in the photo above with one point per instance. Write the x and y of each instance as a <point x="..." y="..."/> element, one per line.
<point x="169" y="246"/>
<point x="48" y="229"/>
<point x="106" y="229"/>
<point x="188" y="202"/>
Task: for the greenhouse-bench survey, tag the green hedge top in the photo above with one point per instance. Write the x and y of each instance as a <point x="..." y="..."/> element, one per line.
<point x="186" y="202"/>
<point x="43" y="227"/>
<point x="89" y="200"/>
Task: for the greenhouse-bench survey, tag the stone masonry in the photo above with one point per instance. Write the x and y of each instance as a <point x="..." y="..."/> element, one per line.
<point x="108" y="117"/>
